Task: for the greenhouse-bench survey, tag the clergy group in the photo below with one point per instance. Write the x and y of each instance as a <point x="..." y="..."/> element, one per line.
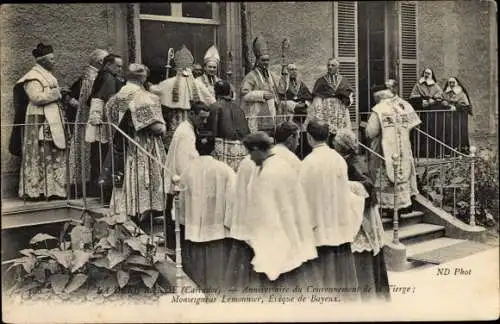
<point x="273" y="193"/>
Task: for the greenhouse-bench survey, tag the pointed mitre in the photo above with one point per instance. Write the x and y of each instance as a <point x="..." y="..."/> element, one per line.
<point x="212" y="55"/>
<point x="183" y="58"/>
<point x="260" y="46"/>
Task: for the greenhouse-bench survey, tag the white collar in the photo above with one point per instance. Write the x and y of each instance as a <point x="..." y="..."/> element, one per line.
<point x="456" y="89"/>
<point x="428" y="82"/>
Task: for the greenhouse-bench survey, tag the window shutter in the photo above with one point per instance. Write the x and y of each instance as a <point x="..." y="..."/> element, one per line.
<point x="408" y="63"/>
<point x="345" y="48"/>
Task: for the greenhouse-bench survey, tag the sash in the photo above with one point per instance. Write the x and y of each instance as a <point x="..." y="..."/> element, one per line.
<point x="397" y="118"/>
<point x="51" y="111"/>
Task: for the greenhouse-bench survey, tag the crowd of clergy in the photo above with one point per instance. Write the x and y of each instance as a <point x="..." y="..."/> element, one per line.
<point x="273" y="192"/>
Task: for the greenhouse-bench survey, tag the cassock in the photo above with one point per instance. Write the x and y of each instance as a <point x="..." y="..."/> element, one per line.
<point x="433" y="123"/>
<point x="367" y="246"/>
<point x="457" y="127"/>
<point x="105" y="86"/>
<point x="274" y="223"/>
<point x="229" y="126"/>
<point x="388" y="130"/>
<point x="144" y="184"/>
<point x="323" y="175"/>
<point x="331" y="97"/>
<point x="115" y="109"/>
<point x="42" y="145"/>
<point x="79" y="159"/>
<point x="259" y="112"/>
<point x="295" y="98"/>
<point x="205" y="208"/>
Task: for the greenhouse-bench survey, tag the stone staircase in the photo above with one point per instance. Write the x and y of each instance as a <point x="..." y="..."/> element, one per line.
<point x="428" y="241"/>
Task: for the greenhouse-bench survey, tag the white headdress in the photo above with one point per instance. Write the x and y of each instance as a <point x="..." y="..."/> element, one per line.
<point x="212" y="55"/>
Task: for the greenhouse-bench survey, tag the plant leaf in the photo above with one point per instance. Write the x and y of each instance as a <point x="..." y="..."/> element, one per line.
<point x="103" y="243"/>
<point x="108" y="220"/>
<point x="27" y="252"/>
<point x="137" y="245"/>
<point x="122" y="278"/>
<point x="28" y="263"/>
<point x="63" y="257"/>
<point x="28" y="285"/>
<point x="39" y="273"/>
<point x="115" y="257"/>
<point x="52" y="266"/>
<point x="58" y="282"/>
<point x="76" y="282"/>
<point x="101" y="230"/>
<point x="102" y="262"/>
<point x="40" y="237"/>
<point x="43" y="252"/>
<point x="113" y="238"/>
<point x="149" y="280"/>
<point x="107" y="285"/>
<point x="158" y="257"/>
<point x="138" y="259"/>
<point x="80" y="258"/>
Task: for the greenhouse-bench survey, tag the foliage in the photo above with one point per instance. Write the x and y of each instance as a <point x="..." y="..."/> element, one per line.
<point x="448" y="185"/>
<point x="106" y="256"/>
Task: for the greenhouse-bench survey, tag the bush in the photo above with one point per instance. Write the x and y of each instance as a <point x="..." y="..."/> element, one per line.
<point x="453" y="178"/>
<point x="105" y="257"/>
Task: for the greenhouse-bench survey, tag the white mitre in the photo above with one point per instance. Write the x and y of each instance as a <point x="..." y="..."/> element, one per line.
<point x="212" y="55"/>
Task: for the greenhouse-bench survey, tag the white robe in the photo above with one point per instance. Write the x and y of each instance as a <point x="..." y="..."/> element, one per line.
<point x="207" y="199"/>
<point x="186" y="92"/>
<point x="278" y="219"/>
<point x="182" y="150"/>
<point x="237" y="220"/>
<point x="323" y="175"/>
<point x="283" y="152"/>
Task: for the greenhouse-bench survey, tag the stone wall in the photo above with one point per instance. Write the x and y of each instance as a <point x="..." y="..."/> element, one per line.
<point x="308" y="26"/>
<point x="458" y="38"/>
<point x="74" y="30"/>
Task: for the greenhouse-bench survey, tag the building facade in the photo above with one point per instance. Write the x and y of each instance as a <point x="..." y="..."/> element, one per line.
<point x="373" y="40"/>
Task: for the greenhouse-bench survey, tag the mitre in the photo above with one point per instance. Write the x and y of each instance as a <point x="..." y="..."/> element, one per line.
<point x="212" y="55"/>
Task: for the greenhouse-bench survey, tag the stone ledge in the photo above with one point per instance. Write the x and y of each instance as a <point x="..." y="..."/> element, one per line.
<point x="454" y="228"/>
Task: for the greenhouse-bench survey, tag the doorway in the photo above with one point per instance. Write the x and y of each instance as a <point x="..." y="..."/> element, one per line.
<point x="372" y="51"/>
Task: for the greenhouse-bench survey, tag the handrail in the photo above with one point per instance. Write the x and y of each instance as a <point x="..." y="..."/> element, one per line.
<point x="417" y="111"/>
<point x="441" y="143"/>
<point x="371" y="151"/>
<point x="104" y="123"/>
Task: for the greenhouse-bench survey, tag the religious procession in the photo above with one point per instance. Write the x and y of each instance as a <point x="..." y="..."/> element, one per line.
<point x="258" y="184"/>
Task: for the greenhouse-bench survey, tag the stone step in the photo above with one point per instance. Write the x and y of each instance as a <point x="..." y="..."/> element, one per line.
<point x="412" y="218"/>
<point x="411" y="234"/>
<point x="422" y="247"/>
<point x="15" y="206"/>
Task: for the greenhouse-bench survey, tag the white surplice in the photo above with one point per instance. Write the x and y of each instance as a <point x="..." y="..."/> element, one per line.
<point x="283" y="152"/>
<point x="182" y="149"/>
<point x="207" y="200"/>
<point x="323" y="175"/>
<point x="237" y="222"/>
<point x="278" y="221"/>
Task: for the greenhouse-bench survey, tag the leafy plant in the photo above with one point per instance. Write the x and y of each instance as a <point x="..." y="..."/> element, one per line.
<point x="106" y="256"/>
<point x="449" y="186"/>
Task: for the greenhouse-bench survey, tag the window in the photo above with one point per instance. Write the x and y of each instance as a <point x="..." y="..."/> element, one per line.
<point x="186" y="12"/>
<point x="171" y="25"/>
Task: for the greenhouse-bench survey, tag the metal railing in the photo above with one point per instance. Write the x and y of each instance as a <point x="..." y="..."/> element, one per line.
<point x="444" y="163"/>
<point x="113" y="193"/>
<point x="448" y="126"/>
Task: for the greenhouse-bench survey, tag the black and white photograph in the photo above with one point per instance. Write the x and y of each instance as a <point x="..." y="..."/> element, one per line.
<point x="269" y="161"/>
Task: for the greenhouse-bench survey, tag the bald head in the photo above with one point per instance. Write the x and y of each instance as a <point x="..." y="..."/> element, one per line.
<point x="333" y="66"/>
<point x="97" y="57"/>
